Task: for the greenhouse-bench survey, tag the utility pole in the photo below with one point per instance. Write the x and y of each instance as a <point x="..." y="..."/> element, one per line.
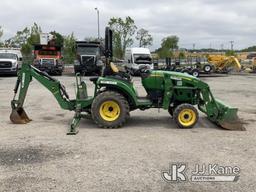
<point x="221" y="47"/>
<point x="98" y="21"/>
<point x="231" y="45"/>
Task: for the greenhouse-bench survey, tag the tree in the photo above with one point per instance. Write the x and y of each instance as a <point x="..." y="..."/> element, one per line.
<point x="59" y="39"/>
<point x="122" y="34"/>
<point x="1" y="34"/>
<point x="25" y="39"/>
<point x="144" y="38"/>
<point x="230" y="53"/>
<point x="182" y="55"/>
<point x="33" y="38"/>
<point x="91" y="39"/>
<point x="170" y="42"/>
<point x="1" y="31"/>
<point x="69" y="49"/>
<point x="249" y="49"/>
<point x="167" y="46"/>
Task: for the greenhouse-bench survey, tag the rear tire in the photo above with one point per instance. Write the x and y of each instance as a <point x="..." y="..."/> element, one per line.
<point x="185" y="116"/>
<point x="110" y="110"/>
<point x="59" y="73"/>
<point x="185" y="71"/>
<point x="207" y="68"/>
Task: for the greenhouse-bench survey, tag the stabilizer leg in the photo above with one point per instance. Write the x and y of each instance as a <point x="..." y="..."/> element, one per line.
<point x="75" y="123"/>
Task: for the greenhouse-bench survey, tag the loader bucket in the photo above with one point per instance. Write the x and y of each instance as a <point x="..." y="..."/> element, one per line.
<point x="228" y="118"/>
<point x="19" y="116"/>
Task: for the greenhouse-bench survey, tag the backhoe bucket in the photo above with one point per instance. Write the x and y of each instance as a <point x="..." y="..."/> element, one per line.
<point x="228" y="118"/>
<point x="19" y="116"/>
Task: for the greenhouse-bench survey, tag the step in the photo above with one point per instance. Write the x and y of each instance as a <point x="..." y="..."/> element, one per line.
<point x="143" y="101"/>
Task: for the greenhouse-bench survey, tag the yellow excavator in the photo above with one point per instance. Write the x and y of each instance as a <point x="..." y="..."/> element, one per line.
<point x="253" y="66"/>
<point x="224" y="63"/>
<point x="249" y="65"/>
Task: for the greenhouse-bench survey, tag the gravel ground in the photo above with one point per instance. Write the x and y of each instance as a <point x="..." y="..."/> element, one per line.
<point x="39" y="156"/>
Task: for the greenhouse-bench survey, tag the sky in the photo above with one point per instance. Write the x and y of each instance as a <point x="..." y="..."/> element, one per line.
<point x="205" y="23"/>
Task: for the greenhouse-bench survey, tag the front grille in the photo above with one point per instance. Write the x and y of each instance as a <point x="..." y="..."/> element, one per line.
<point x="88" y="60"/>
<point x="5" y="64"/>
<point x="47" y="62"/>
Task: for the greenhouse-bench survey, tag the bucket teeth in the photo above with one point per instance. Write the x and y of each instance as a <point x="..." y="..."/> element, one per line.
<point x="19" y="116"/>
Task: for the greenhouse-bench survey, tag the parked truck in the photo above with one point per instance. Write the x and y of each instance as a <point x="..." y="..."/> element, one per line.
<point x="88" y="57"/>
<point x="136" y="58"/>
<point x="10" y="60"/>
<point x="47" y="55"/>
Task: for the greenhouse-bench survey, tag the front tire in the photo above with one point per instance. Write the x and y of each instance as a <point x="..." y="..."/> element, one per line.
<point x="59" y="73"/>
<point x="185" y="116"/>
<point x="195" y="72"/>
<point x="110" y="110"/>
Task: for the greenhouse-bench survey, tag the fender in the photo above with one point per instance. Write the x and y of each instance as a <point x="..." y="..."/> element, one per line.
<point x="123" y="86"/>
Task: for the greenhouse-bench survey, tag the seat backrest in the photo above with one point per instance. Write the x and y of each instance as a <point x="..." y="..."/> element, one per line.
<point x="114" y="67"/>
<point x="110" y="70"/>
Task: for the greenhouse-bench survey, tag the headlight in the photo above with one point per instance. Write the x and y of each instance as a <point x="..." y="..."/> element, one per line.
<point x="100" y="63"/>
<point x="36" y="62"/>
<point x="14" y="64"/>
<point x="135" y="66"/>
<point x="59" y="62"/>
<point x="76" y="62"/>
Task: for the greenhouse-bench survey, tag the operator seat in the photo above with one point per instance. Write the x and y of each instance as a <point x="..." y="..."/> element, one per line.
<point x="108" y="71"/>
<point x="112" y="71"/>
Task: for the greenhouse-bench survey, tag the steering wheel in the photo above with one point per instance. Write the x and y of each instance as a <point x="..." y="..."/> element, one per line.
<point x="143" y="71"/>
<point x="124" y="75"/>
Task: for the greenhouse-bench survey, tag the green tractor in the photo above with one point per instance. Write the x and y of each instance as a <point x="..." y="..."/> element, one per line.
<point x="115" y="96"/>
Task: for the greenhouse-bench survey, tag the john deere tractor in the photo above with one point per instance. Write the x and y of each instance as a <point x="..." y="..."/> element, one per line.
<point x="115" y="96"/>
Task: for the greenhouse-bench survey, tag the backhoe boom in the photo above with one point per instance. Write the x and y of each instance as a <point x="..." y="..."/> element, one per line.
<point x="25" y="76"/>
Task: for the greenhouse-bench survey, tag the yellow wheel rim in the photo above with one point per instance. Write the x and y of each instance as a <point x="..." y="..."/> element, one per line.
<point x="109" y="110"/>
<point x="187" y="117"/>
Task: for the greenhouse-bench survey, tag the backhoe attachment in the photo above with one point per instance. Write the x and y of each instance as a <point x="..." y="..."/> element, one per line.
<point x="19" y="116"/>
<point x="25" y="75"/>
<point x="81" y="105"/>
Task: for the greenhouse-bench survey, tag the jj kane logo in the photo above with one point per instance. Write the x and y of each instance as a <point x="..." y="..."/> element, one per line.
<point x="178" y="172"/>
